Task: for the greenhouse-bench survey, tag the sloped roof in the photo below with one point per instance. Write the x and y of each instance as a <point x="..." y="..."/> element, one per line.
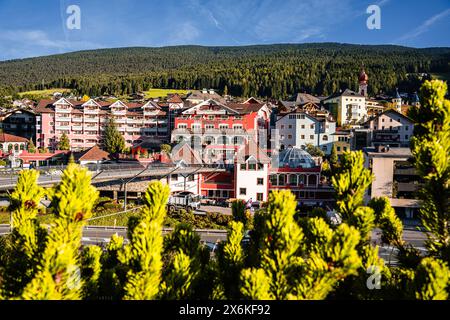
<point x="6" y="137"/>
<point x="305" y="98"/>
<point x="175" y="99"/>
<point x="184" y="152"/>
<point x="93" y="154"/>
<point x="251" y="149"/>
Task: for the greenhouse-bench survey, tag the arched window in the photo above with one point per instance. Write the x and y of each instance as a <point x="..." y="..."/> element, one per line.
<point x="273" y="180"/>
<point x="312" y="179"/>
<point x="209" y="140"/>
<point x="301" y="179"/>
<point x="282" y="147"/>
<point x="196" y="141"/>
<point x="1" y="146"/>
<point x="238" y="140"/>
<point x="222" y="140"/>
<point x="292" y="179"/>
<point x="16" y="147"/>
<point x="22" y="146"/>
<point x="180" y="139"/>
<point x="282" y="180"/>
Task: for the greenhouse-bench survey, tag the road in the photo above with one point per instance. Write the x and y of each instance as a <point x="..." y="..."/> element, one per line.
<point x="101" y="235"/>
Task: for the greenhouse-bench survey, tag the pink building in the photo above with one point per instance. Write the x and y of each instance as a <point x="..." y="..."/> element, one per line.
<point x="84" y="122"/>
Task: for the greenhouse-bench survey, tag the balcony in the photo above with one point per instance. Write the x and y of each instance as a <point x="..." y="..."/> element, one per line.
<point x="79" y="119"/>
<point x="63" y="119"/>
<point x="211" y="131"/>
<point x="77" y="128"/>
<point x="87" y="119"/>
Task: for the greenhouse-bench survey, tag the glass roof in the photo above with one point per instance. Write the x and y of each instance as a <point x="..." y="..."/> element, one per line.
<point x="296" y="158"/>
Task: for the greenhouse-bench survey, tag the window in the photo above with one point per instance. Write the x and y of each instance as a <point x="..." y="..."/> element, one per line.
<point x="243" y="191"/>
<point x="312" y="126"/>
<point x="406" y="137"/>
<point x="282" y="126"/>
<point x="289" y="136"/>
<point x="252" y="166"/>
<point x="281" y="179"/>
<point x="259" y="197"/>
<point x="223" y="126"/>
<point x="260" y="181"/>
<point x="243" y="166"/>
<point x="345" y="148"/>
<point x="282" y="137"/>
<point x="390" y="120"/>
<point x="303" y="126"/>
<point x="338" y="149"/>
<point x="274" y="180"/>
<point x="182" y="126"/>
<point x="302" y="136"/>
<point x="290" y="126"/>
<point x="407" y="128"/>
<point x="325" y="138"/>
<point x="174" y="177"/>
<point x="211" y="117"/>
<point x="311" y="137"/>
<point x="293" y="180"/>
<point x="260" y="166"/>
<point x="209" y="126"/>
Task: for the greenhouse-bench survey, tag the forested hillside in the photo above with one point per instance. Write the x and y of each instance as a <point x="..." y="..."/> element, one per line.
<point x="266" y="71"/>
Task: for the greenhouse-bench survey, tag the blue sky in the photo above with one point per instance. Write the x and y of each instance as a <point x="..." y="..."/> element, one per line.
<point x="33" y="28"/>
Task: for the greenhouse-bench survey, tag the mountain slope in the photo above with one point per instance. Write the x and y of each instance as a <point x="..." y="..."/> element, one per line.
<point x="265" y="70"/>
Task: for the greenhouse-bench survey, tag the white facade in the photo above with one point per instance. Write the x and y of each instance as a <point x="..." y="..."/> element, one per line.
<point x="178" y="182"/>
<point x="297" y="129"/>
<point x="351" y="107"/>
<point x="252" y="180"/>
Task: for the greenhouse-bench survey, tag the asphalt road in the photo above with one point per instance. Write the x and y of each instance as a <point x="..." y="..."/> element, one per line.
<point x="93" y="235"/>
<point x="101" y="235"/>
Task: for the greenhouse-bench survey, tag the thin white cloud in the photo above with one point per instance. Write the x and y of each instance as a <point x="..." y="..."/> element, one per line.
<point x="186" y="33"/>
<point x="28" y="43"/>
<point x="424" y="27"/>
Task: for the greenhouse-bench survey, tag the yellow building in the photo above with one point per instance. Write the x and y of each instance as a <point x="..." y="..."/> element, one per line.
<point x="342" y="141"/>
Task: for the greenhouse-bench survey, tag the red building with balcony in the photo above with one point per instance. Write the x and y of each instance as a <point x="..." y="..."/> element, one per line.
<point x="216" y="130"/>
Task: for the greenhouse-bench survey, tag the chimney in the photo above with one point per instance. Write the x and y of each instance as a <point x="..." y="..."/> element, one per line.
<point x="211" y="91"/>
<point x="204" y="90"/>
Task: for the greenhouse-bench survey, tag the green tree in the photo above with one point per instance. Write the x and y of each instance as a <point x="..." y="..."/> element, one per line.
<point x="31" y="147"/>
<point x="333" y="157"/>
<point x="113" y="139"/>
<point x="430" y="147"/>
<point x="64" y="142"/>
<point x="314" y="151"/>
<point x="142" y="256"/>
<point x="166" y="148"/>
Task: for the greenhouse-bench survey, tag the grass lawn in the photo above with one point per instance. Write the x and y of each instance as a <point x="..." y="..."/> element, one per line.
<point x="441" y="76"/>
<point x="47" y="92"/>
<point x="160" y="93"/>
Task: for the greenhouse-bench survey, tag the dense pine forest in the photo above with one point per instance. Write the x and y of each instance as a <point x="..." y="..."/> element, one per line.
<point x="275" y="71"/>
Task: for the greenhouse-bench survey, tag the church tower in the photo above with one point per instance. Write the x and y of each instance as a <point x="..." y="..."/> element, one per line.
<point x="415" y="101"/>
<point x="397" y="101"/>
<point x="363" y="78"/>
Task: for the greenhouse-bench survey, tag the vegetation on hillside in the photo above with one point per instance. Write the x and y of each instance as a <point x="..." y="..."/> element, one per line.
<point x="274" y="71"/>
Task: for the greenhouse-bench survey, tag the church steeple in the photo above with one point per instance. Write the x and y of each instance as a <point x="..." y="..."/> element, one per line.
<point x="363" y="79"/>
<point x="397" y="101"/>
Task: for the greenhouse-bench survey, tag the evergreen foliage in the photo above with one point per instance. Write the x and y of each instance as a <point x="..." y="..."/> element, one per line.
<point x="113" y="139"/>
